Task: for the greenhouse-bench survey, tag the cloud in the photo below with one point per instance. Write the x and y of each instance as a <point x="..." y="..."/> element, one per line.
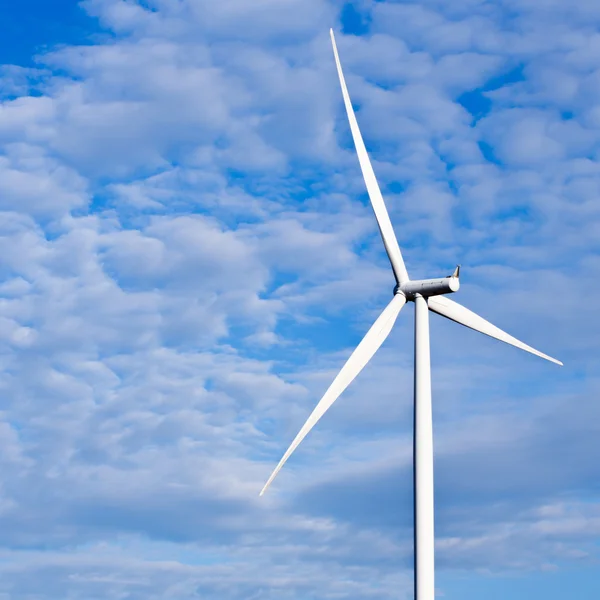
<point x="188" y="257"/>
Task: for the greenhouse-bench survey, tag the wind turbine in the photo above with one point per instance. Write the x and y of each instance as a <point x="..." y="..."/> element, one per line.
<point x="428" y="295"/>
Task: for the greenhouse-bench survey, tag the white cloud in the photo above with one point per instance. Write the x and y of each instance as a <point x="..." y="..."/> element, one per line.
<point x="187" y="258"/>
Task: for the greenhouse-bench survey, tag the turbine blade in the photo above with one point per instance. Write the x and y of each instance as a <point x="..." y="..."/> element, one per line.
<point x="354" y="365"/>
<point x="458" y="313"/>
<point x="381" y="214"/>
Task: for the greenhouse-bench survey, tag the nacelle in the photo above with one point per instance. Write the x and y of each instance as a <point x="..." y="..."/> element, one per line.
<point x="429" y="287"/>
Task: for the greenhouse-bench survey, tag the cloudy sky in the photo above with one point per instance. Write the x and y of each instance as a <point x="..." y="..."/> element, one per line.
<point x="188" y="256"/>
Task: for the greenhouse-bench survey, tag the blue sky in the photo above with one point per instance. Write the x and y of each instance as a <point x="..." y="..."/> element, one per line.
<point x="188" y="256"/>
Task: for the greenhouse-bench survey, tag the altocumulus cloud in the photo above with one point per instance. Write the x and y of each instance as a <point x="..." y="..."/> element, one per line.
<point x="187" y="257"/>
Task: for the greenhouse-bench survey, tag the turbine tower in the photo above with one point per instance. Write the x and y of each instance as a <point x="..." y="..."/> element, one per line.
<point x="428" y="295"/>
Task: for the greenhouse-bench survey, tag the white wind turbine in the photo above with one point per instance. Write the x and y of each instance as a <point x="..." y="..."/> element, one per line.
<point x="427" y="294"/>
